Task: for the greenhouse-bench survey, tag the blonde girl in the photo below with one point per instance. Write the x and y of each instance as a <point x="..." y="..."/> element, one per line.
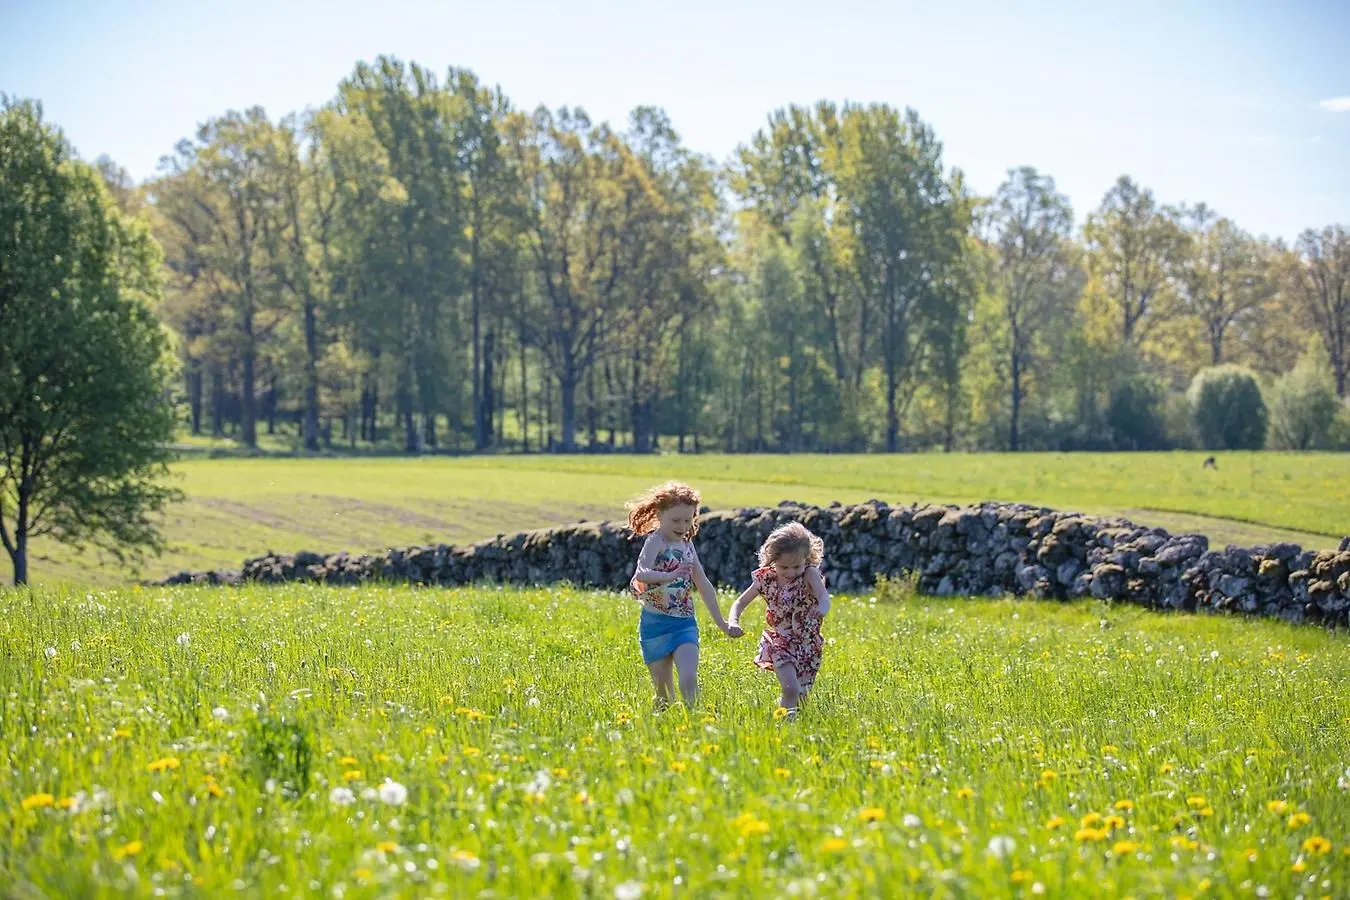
<point x="667" y="571"/>
<point x="789" y="580"/>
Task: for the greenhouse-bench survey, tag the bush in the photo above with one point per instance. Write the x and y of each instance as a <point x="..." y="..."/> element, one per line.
<point x="1135" y="415"/>
<point x="1227" y="409"/>
<point x="1303" y="405"/>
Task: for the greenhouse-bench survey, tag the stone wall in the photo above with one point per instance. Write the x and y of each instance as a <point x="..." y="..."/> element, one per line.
<point x="990" y="548"/>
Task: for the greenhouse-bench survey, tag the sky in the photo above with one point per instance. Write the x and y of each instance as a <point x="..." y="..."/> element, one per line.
<point x="1242" y="105"/>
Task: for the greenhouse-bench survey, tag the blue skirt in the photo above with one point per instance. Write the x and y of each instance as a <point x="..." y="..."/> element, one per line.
<point x="660" y="634"/>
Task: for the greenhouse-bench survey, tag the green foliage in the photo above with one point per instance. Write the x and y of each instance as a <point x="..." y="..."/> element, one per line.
<point x="1136" y="414"/>
<point x="934" y="755"/>
<point x="1303" y="404"/>
<point x="83" y="374"/>
<point x="1228" y="410"/>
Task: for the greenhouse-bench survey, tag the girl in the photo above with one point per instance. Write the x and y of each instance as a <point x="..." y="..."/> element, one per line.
<point x="667" y="570"/>
<point x="789" y="580"/>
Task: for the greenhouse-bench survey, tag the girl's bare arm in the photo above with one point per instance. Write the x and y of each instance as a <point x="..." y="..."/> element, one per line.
<point x="646" y="559"/>
<point x="743" y="601"/>
<point x="817" y="583"/>
<point x="709" y="595"/>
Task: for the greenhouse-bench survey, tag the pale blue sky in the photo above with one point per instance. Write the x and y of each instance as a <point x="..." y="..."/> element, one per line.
<point x="1220" y="102"/>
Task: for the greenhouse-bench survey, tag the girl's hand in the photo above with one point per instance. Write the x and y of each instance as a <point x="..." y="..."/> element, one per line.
<point x="734" y="630"/>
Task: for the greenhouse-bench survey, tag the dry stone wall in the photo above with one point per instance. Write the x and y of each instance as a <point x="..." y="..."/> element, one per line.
<point x="989" y="548"/>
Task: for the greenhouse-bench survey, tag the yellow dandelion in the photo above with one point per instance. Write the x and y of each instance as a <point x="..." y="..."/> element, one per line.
<point x="471" y="751"/>
<point x="587" y="740"/>
<point x="1110" y="748"/>
<point x="348" y="761"/>
<point x="678" y="765"/>
<point x="583" y="798"/>
<point x="1090" y="820"/>
<point x="1278" y="807"/>
<point x="1203" y="885"/>
<point x="382" y="757"/>
<point x="1299" y="819"/>
<point x="833" y="845"/>
<point x="464" y="858"/>
<point x="165" y="764"/>
<point x="1019" y="876"/>
<point x="781" y="772"/>
<point x="1299" y="867"/>
<point x="1055" y="822"/>
<point x="131" y="848"/>
<point x="709" y="749"/>
<point x="965" y="793"/>
<point x="122" y="733"/>
<point x="212" y="788"/>
<point x="1049" y="775"/>
<point x="1083" y="835"/>
<point x="66" y="802"/>
<point x="473" y="715"/>
<point x="780" y="713"/>
<point x="876" y="764"/>
<point x="560" y="773"/>
<point x="871" y="814"/>
<point x="649" y="760"/>
<point x="1124" y="848"/>
<point x="386" y="847"/>
<point x="1197" y="802"/>
<point x="1166" y="769"/>
<point x="361" y="874"/>
<point x="1124" y="805"/>
<point x="1205" y="812"/>
<point x="38" y="801"/>
<point x="428" y="731"/>
<point x="351" y="775"/>
<point x="622" y="719"/>
<point x="441" y="759"/>
<point x="1317" y="845"/>
<point x="709" y="719"/>
<point x="534" y="797"/>
<point x="749" y="826"/>
<point x="1181" y="842"/>
<point x="1249" y="854"/>
<point x="1113" y="823"/>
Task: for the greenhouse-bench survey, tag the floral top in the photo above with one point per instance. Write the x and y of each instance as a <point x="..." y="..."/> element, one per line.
<point x="792" y="633"/>
<point x="674" y="598"/>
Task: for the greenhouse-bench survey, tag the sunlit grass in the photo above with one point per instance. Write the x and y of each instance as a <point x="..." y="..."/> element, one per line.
<point x="413" y="742"/>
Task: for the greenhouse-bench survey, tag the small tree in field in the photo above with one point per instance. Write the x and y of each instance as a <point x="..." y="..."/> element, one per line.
<point x="84" y="420"/>
<point x="1303" y="404"/>
<point x="1227" y="409"/>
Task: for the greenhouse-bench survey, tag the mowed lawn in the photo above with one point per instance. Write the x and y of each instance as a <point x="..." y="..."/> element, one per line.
<point x="479" y="742"/>
<point x="238" y="508"/>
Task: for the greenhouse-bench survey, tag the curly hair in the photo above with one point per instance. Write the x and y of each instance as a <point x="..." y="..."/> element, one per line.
<point x="644" y="510"/>
<point x="791" y="539"/>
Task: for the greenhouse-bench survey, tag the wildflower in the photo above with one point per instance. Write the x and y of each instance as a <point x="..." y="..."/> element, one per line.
<point x="382" y="757"/>
<point x="1124" y="848"/>
<point x="348" y="761"/>
<point x="622" y="719"/>
<point x="51" y="652"/>
<point x="38" y="801"/>
<point x="559" y="773"/>
<point x="877" y="764"/>
<point x="780" y="713"/>
<point x="212" y="788"/>
<point x="1124" y="805"/>
<point x="1019" y="876"/>
<point x="965" y="793"/>
<point x="1001" y="846"/>
<point x="464" y="859"/>
<point x="1299" y="819"/>
<point x="1206" y="812"/>
<point x="1113" y="823"/>
<point x="678" y="766"/>
<point x="1055" y="822"/>
<point x="1166" y="769"/>
<point x="781" y="772"/>
<point x="1109" y="749"/>
<point x="709" y="719"/>
<point x="1249" y="854"/>
<point x="70" y="803"/>
<point x="361" y="874"/>
<point x="341" y="796"/>
<point x="162" y="765"/>
<point x="220" y="714"/>
<point x="628" y="890"/>
<point x="122" y="733"/>
<point x="1299" y="866"/>
<point x="441" y="759"/>
<point x="131" y="848"/>
<point x="749" y="826"/>
<point x="833" y="845"/>
<point x="1181" y="842"/>
<point x="473" y="715"/>
<point x="387" y="847"/>
<point x="709" y="749"/>
<point x="1049" y="775"/>
<point x="1317" y="845"/>
<point x="184" y="639"/>
<point x="871" y="814"/>
<point x="1083" y="835"/>
<point x="393" y="793"/>
<point x="351" y="775"/>
<point x="1203" y="885"/>
<point x="582" y="798"/>
<point x="471" y="752"/>
<point x="1197" y="802"/>
<point x="1090" y="820"/>
<point x="649" y="760"/>
<point x="1278" y="807"/>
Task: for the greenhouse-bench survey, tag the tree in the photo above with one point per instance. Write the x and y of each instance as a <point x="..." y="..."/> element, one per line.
<point x="1222" y="275"/>
<point x="1135" y="414"/>
<point x="84" y="423"/>
<point x="1320" y="280"/>
<point x="1303" y="404"/>
<point x="1131" y="247"/>
<point x="1228" y="410"/>
<point x="1030" y="225"/>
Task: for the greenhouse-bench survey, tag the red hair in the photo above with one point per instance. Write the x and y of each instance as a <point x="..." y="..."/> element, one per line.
<point x="644" y="510"/>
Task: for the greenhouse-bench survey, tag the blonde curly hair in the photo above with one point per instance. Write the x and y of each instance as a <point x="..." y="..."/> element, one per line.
<point x="789" y="539"/>
<point x="644" y="510"/>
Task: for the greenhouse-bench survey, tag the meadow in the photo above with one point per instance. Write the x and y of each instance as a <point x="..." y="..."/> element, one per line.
<point x="486" y="742"/>
<point x="238" y="508"/>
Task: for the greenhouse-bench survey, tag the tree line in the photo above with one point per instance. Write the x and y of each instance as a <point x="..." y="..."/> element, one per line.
<point x="419" y="264"/>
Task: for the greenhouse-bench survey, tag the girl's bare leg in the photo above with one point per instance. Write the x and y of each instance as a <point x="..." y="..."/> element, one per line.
<point x="686" y="660"/>
<point x="792" y="689"/>
<point x="663" y="679"/>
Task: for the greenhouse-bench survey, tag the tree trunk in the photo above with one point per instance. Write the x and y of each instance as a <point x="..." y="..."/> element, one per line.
<point x="272" y="406"/>
<point x="311" y="424"/>
<point x="194" y="379"/>
<point x="567" y="386"/>
<point x="892" y="410"/>
<point x="487" y="399"/>
<point x="523" y="409"/>
<point x="248" y="414"/>
<point x="20" y="556"/>
<point x="635" y="406"/>
<point x="217" y="402"/>
<point x="1013" y="437"/>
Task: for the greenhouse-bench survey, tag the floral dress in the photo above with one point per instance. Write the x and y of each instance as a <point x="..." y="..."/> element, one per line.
<point x="792" y="636"/>
<point x="674" y="598"/>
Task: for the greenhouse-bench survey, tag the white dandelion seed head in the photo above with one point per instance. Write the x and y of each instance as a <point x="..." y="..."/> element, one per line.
<point x="157" y="796"/>
<point x="1001" y="846"/>
<point x="370" y="794"/>
<point x="532" y="702"/>
<point x="393" y="793"/>
<point x="51" y="652"/>
<point x="629" y="890"/>
<point x="625" y="796"/>
<point x="540" y="783"/>
<point x="184" y="639"/>
<point x="1214" y="654"/>
<point x="341" y="796"/>
<point x="1038" y="888"/>
<point x="911" y="821"/>
<point x="220" y="713"/>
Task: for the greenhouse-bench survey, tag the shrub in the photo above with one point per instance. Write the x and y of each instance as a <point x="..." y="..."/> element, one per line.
<point x="1303" y="404"/>
<point x="1227" y="409"/>
<point x="1135" y="415"/>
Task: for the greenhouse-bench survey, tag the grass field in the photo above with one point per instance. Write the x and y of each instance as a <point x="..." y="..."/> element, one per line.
<point x="242" y="507"/>
<point x="351" y="743"/>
